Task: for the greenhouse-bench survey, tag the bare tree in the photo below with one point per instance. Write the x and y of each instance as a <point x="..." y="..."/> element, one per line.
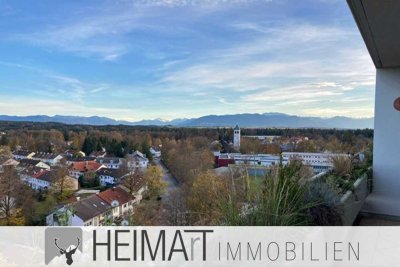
<point x="9" y="188"/>
<point x="133" y="181"/>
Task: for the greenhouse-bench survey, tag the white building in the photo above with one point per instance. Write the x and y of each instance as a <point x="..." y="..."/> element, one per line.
<point x="236" y="138"/>
<point x="25" y="163"/>
<point x="155" y="152"/>
<point x="103" y="208"/>
<point x="77" y="169"/>
<point x="137" y="160"/>
<point x="40" y="179"/>
<point x="49" y="158"/>
<point x="110" y="176"/>
<point x="320" y="162"/>
<point x="264" y="160"/>
<point x="255" y="160"/>
<point x="22" y="154"/>
<point x="111" y="163"/>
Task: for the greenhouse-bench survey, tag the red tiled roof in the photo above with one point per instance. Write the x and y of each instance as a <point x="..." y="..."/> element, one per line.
<point x="44" y="175"/>
<point x="84" y="166"/>
<point x="116" y="193"/>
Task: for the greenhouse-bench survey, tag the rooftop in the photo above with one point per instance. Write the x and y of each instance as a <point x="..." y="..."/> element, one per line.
<point x="90" y="207"/>
<point x="115" y="194"/>
<point x="84" y="166"/>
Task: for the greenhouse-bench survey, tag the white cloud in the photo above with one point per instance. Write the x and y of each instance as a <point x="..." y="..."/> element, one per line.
<point x="289" y="65"/>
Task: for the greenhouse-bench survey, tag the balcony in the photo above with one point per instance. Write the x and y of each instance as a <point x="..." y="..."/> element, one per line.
<point x="379" y="25"/>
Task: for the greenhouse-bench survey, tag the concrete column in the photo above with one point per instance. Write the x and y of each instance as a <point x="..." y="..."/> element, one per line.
<point x="385" y="198"/>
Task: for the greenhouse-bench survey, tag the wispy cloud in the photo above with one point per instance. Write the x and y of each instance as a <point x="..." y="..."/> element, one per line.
<point x="282" y="67"/>
<point x="187" y="58"/>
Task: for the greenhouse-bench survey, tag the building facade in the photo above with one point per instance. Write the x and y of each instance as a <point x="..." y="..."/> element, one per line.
<point x="319" y="162"/>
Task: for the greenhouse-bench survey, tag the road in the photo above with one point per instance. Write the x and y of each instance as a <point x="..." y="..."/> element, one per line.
<point x="172" y="183"/>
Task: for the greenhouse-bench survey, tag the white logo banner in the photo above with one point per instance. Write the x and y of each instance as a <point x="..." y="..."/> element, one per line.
<point x="200" y="246"/>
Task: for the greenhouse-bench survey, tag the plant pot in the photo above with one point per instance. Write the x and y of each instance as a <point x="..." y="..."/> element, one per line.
<point x="352" y="201"/>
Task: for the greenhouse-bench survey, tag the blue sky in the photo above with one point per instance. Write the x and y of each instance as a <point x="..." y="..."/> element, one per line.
<point x="170" y="59"/>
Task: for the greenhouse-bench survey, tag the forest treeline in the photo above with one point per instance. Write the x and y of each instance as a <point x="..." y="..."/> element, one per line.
<point x="187" y="153"/>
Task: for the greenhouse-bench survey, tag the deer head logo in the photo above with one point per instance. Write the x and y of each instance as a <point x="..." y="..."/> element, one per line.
<point x="68" y="254"/>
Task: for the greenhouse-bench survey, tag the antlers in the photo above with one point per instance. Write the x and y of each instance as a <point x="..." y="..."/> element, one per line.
<point x="63" y="250"/>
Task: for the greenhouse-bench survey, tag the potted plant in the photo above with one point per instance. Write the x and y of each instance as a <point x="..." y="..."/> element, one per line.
<point x="341" y="191"/>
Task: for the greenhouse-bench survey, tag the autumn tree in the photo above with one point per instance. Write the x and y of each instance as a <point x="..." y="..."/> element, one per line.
<point x="155" y="183"/>
<point x="10" y="186"/>
<point x="205" y="196"/>
<point x="62" y="183"/>
<point x="89" y="179"/>
<point x="133" y="181"/>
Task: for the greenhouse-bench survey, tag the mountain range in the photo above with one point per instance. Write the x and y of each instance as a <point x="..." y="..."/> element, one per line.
<point x="279" y="120"/>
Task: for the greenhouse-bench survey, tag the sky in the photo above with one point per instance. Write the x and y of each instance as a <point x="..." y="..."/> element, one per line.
<point x="145" y="59"/>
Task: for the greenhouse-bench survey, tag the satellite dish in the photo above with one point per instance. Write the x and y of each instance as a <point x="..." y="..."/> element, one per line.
<point x="114" y="203"/>
<point x="125" y="223"/>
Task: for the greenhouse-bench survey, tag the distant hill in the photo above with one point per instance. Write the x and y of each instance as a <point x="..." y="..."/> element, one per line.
<point x="244" y="120"/>
<point x="280" y="120"/>
<point x="94" y="120"/>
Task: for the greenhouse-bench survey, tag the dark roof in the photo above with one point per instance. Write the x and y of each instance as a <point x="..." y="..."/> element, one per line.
<point x="22" y="153"/>
<point x="116" y="173"/>
<point x="44" y="155"/>
<point x="44" y="175"/>
<point x="236" y="127"/>
<point x="28" y="162"/>
<point x="77" y="159"/>
<point x="115" y="193"/>
<point x="90" y="207"/>
<point x="31" y="170"/>
<point x="108" y="160"/>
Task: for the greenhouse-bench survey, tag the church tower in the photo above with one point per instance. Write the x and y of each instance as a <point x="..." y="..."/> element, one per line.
<point x="236" y="137"/>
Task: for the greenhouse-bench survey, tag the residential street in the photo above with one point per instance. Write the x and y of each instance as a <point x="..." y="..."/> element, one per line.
<point x="168" y="177"/>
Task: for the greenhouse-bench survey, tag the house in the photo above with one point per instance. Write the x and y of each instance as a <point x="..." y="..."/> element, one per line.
<point x="110" y="176"/>
<point x="72" y="153"/>
<point x="137" y="160"/>
<point x="138" y="187"/>
<point x="77" y="169"/>
<point x="111" y="163"/>
<point x="72" y="159"/>
<point x="105" y="208"/>
<point x="91" y="211"/>
<point x="156" y="153"/>
<point x="120" y="200"/>
<point x="40" y="179"/>
<point x="8" y="162"/>
<point x="49" y="158"/>
<point x="24" y="163"/>
<point x="98" y="154"/>
<point x="22" y="154"/>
